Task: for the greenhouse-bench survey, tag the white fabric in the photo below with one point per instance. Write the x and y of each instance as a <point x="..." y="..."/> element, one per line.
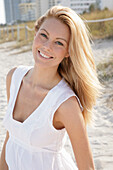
<point x="35" y="144"/>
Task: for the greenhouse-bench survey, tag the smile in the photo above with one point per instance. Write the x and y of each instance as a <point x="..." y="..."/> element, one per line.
<point x="44" y="56"/>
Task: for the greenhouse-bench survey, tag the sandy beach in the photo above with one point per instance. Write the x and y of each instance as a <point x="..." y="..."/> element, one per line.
<point x="101" y="133"/>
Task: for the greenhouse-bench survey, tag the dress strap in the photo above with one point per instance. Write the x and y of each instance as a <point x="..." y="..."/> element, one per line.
<point x="15" y="82"/>
<point x="61" y="94"/>
<point x="17" y="76"/>
<point x="19" y="73"/>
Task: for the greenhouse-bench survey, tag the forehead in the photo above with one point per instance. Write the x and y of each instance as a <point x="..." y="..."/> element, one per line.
<point x="56" y="27"/>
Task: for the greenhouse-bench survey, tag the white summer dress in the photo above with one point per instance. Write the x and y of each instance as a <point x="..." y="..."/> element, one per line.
<point x="35" y="144"/>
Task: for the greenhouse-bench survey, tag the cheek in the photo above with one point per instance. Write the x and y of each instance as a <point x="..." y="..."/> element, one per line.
<point x="61" y="52"/>
<point x="37" y="40"/>
<point x="34" y="48"/>
<point x="36" y="44"/>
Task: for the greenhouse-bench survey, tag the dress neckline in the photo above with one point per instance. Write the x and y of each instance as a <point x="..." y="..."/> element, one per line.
<point x="38" y="107"/>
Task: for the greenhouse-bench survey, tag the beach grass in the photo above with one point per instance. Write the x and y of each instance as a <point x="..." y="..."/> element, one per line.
<point x="97" y="30"/>
<point x="100" y="29"/>
<point x="105" y="70"/>
<point x="22" y="39"/>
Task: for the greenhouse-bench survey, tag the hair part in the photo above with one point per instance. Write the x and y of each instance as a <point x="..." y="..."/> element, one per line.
<point x="78" y="69"/>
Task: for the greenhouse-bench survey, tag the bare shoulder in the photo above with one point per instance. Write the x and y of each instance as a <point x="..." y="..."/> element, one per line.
<point x="70" y="113"/>
<point x="9" y="76"/>
<point x="8" y="81"/>
<point x="10" y="73"/>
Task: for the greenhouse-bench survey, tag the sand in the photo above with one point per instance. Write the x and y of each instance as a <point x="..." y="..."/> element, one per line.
<point x="101" y="133"/>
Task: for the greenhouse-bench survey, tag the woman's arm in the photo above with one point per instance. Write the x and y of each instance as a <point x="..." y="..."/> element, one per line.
<point x="69" y="114"/>
<point x="3" y="164"/>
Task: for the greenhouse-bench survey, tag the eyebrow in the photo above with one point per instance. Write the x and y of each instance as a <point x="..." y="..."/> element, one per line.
<point x="44" y="30"/>
<point x="56" y="38"/>
<point x="62" y="39"/>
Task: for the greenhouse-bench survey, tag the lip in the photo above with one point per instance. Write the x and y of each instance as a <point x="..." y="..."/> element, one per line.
<point x="50" y="57"/>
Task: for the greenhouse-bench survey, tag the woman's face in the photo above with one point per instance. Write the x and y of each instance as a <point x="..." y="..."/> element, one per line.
<point x="51" y="43"/>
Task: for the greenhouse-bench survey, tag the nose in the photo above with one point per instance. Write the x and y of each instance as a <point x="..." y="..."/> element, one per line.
<point x="48" y="45"/>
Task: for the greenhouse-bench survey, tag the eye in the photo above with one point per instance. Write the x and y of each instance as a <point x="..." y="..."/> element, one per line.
<point x="59" y="43"/>
<point x="43" y="35"/>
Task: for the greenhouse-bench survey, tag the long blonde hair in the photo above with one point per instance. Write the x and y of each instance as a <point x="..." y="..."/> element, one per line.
<point x="78" y="69"/>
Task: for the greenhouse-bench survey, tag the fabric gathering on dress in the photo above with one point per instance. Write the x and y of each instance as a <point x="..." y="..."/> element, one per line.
<point x="35" y="144"/>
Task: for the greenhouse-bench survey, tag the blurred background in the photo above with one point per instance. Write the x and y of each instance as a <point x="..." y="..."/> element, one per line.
<point x="17" y="19"/>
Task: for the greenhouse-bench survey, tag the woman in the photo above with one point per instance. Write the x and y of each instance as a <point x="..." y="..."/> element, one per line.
<point x="53" y="97"/>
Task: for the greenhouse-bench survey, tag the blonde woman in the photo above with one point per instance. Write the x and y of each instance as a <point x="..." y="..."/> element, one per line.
<point x="51" y="98"/>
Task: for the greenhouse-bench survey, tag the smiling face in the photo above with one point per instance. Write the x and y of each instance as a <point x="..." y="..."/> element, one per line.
<point x="51" y="43"/>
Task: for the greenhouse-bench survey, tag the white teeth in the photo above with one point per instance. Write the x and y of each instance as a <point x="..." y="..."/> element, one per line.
<point x="43" y="55"/>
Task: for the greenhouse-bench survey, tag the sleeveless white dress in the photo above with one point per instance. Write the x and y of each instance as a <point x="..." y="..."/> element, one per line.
<point x="35" y="144"/>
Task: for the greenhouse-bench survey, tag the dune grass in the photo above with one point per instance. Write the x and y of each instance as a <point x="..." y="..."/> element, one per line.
<point x="97" y="30"/>
<point x="20" y="40"/>
<point x="100" y="29"/>
<point x="105" y="70"/>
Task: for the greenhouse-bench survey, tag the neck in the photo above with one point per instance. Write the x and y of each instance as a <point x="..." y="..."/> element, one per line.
<point x="44" y="77"/>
